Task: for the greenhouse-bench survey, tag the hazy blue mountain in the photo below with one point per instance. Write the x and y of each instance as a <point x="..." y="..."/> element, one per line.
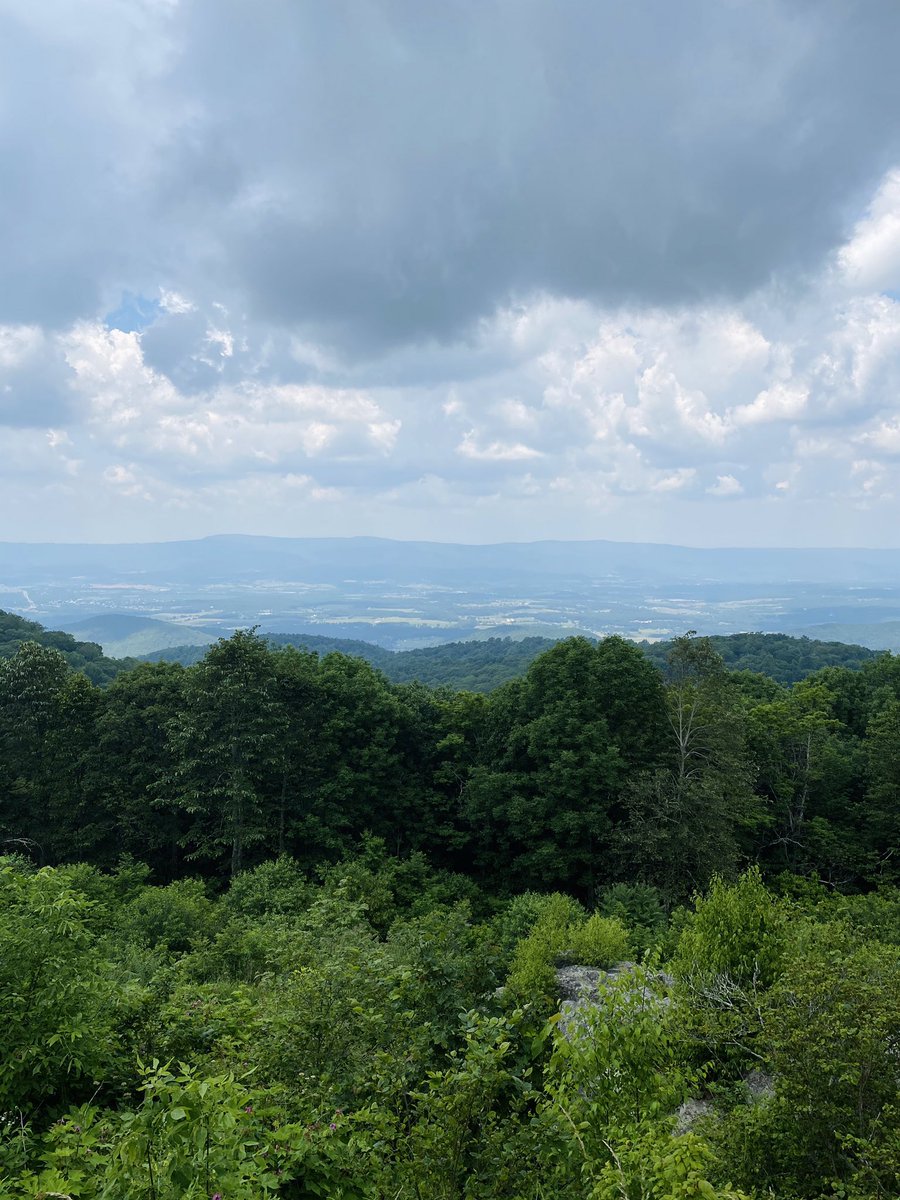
<point x="84" y="656"/>
<point x="125" y="636"/>
<point x="235" y="557"/>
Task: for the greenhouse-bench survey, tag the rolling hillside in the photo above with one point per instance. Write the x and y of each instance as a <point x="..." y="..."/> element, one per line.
<point x="81" y="656"/>
<point x="480" y="666"/>
<point x="123" y="635"/>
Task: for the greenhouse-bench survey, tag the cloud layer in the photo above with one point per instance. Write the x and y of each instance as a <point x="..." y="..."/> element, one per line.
<point x="492" y="270"/>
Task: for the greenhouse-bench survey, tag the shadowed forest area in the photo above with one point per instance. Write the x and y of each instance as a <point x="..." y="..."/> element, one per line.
<point x="591" y="768"/>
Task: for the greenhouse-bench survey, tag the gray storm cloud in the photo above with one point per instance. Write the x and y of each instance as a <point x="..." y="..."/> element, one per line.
<point x="390" y="171"/>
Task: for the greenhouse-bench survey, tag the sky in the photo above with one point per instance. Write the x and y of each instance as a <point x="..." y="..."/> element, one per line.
<point x="475" y="271"/>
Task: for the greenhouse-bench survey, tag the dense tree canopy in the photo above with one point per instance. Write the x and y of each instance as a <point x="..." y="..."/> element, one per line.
<point x="482" y="665"/>
<point x="591" y="768"/>
<point x="781" y="656"/>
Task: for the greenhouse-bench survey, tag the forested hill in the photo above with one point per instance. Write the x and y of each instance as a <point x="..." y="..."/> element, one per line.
<point x="782" y="657"/>
<point x="87" y="657"/>
<point x="480" y="666"/>
<point x="473" y="666"/>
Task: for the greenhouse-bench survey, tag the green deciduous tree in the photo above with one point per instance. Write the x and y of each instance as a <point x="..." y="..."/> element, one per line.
<point x="685" y="819"/>
<point x="225" y="745"/>
<point x="561" y="744"/>
<point x="57" y="1001"/>
<point x="133" y="758"/>
<point x="805" y="773"/>
<point x="879" y="816"/>
<point x="30" y="683"/>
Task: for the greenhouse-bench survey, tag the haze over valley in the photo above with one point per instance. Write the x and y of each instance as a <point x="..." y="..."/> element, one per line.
<point x="134" y="599"/>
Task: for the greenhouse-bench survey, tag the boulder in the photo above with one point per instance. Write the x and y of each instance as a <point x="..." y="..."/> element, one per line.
<point x="577" y="987"/>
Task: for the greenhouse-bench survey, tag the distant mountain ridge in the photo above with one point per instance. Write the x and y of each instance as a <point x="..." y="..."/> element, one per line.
<point x="231" y="556"/>
<point x="123" y="635"/>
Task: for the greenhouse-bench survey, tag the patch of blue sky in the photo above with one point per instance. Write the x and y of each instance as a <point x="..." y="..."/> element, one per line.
<point x="134" y="314"/>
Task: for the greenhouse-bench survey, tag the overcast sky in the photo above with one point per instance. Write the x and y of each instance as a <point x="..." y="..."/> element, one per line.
<point x="474" y="270"/>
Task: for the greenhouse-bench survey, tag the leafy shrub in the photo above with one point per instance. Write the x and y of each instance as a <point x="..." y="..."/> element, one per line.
<point x="107" y="890"/>
<point x="317" y="1030"/>
<point x="874" y="916"/>
<point x="242" y="952"/>
<point x="208" y="1024"/>
<point x="730" y="950"/>
<point x="57" y="1003"/>
<point x="532" y="971"/>
<point x="420" y="888"/>
<point x="354" y="880"/>
<point x="92" y="884"/>
<point x="278" y="886"/>
<point x="532" y="974"/>
<point x="556" y="937"/>
<point x="450" y="964"/>
<point x="392" y="887"/>
<point x="657" y="1166"/>
<point x="451" y="1133"/>
<point x="619" y="1063"/>
<point x="736" y="931"/>
<point x="174" y="918"/>
<point x="192" y="1138"/>
<point x="599" y="942"/>
<point x="830" y="1033"/>
<point x="525" y="911"/>
<point x="638" y="907"/>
